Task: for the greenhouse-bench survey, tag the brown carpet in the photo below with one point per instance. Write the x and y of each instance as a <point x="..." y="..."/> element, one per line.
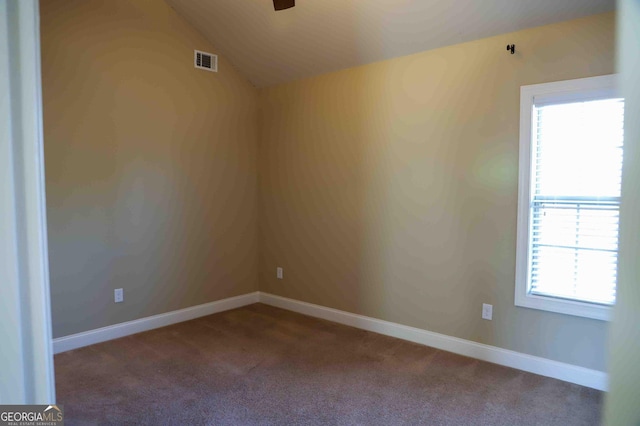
<point x="263" y="365"/>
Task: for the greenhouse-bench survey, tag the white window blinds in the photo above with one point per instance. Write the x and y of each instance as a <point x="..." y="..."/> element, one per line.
<point x="575" y="199"/>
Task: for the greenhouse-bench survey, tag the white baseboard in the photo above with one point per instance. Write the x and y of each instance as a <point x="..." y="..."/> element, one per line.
<point x="533" y="364"/>
<point x="103" y="334"/>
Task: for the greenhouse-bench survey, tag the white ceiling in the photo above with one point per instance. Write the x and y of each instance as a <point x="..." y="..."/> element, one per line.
<point x="319" y="36"/>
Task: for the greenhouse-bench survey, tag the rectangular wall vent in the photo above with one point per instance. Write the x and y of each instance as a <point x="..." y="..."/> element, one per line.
<point x="205" y="61"/>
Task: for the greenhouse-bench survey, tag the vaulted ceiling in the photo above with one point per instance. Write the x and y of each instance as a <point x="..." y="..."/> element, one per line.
<point x="319" y="36"/>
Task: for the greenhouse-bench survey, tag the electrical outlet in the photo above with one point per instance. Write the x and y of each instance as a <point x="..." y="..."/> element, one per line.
<point x="487" y="311"/>
<point x="118" y="295"/>
<point x="279" y="273"/>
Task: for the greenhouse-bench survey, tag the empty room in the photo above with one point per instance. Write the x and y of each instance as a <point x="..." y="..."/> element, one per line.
<point x="327" y="212"/>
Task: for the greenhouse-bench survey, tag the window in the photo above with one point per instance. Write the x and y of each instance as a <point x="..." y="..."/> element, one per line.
<point x="571" y="136"/>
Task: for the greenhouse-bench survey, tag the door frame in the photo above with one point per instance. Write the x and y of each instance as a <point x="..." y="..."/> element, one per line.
<point x="26" y="349"/>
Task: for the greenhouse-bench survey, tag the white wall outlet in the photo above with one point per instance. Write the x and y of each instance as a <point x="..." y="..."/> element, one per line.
<point x="279" y="273"/>
<point x="487" y="311"/>
<point x="118" y="295"/>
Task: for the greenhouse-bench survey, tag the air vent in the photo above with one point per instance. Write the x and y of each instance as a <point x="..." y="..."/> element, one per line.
<point x="205" y="61"/>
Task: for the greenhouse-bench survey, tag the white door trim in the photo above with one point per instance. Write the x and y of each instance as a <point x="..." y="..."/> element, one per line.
<point x="25" y="320"/>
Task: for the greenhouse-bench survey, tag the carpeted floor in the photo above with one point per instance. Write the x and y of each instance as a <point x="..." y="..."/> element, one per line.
<point x="263" y="365"/>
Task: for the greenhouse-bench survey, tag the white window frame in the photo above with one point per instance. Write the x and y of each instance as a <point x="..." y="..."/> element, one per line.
<point x="601" y="87"/>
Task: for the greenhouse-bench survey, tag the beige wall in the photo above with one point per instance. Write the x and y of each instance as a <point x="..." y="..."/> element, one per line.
<point x="150" y="165"/>
<point x="390" y="190"/>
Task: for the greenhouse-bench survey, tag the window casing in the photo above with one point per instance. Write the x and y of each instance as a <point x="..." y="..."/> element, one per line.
<point x="569" y="195"/>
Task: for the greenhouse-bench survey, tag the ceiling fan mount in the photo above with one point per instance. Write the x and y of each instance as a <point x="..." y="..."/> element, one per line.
<point x="283" y="4"/>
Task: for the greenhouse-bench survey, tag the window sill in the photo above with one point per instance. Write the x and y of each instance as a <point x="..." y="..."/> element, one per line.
<point x="569" y="307"/>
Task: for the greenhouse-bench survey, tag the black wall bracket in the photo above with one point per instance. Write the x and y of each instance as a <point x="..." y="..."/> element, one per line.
<point x="511" y="48"/>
